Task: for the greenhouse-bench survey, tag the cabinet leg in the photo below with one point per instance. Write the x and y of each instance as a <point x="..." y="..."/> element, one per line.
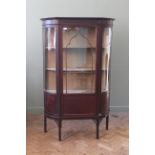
<point x="59" y="126"/>
<point x="97" y="129"/>
<point x="45" y="124"/>
<point x="107" y="122"/>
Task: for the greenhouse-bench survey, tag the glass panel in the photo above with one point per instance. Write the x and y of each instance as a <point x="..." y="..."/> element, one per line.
<point x="105" y="58"/>
<point x="50" y="38"/>
<point x="106" y="41"/>
<point x="106" y="44"/>
<point x="76" y="82"/>
<point x="50" y="59"/>
<point x="51" y="82"/>
<point x="79" y="59"/>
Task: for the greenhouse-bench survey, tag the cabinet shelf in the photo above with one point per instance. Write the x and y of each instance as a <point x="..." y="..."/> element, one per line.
<point x="80" y="47"/>
<point x="51" y="69"/>
<point x="50" y="49"/>
<point x="69" y="48"/>
<point x="71" y="91"/>
<point x="73" y="69"/>
<point x="77" y="69"/>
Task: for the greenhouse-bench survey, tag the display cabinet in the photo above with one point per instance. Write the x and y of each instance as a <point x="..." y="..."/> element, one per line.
<point x="76" y="56"/>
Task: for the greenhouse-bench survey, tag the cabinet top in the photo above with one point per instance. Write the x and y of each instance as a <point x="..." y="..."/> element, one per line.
<point x="77" y="18"/>
<point x="87" y="21"/>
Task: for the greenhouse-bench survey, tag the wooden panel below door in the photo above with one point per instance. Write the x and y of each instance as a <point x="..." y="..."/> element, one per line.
<point x="105" y="102"/>
<point x="50" y="104"/>
<point x="77" y="104"/>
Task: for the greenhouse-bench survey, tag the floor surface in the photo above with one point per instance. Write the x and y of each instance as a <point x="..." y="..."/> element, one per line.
<point x="78" y="137"/>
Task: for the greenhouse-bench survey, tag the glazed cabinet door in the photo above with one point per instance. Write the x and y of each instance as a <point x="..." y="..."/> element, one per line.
<point x="79" y="70"/>
<point x="79" y="59"/>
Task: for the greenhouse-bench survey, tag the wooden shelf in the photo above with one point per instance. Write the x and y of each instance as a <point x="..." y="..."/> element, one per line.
<point x="51" y="69"/>
<point x="73" y="69"/>
<point x="69" y="48"/>
<point x="50" y="49"/>
<point x="79" y="47"/>
<point x="77" y="69"/>
<point x="50" y="91"/>
<point x="71" y="91"/>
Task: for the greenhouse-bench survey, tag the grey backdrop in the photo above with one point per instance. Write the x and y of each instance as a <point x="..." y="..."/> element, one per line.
<point x="118" y="9"/>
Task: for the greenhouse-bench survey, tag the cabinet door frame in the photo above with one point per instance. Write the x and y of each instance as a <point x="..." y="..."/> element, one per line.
<point x="97" y="93"/>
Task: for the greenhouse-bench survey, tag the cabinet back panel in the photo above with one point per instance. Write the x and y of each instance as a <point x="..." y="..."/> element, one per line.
<point x="79" y="81"/>
<point x="79" y="58"/>
<point x="79" y="37"/>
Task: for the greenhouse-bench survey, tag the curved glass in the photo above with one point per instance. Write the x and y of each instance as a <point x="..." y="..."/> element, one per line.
<point x="79" y="59"/>
<point x="50" y="59"/>
<point x="106" y="44"/>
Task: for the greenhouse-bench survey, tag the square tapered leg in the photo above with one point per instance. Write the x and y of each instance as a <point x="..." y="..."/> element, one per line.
<point x="107" y="122"/>
<point x="59" y="126"/>
<point x="45" y="124"/>
<point x="97" y="129"/>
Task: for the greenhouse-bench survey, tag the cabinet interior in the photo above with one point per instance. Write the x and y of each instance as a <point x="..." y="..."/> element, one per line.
<point x="79" y="61"/>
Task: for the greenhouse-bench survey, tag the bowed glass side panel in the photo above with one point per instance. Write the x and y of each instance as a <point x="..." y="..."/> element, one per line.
<point x="106" y="46"/>
<point x="50" y="59"/>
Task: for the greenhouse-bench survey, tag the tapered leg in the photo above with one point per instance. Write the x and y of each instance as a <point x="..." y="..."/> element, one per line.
<point x="45" y="124"/>
<point x="59" y="126"/>
<point x="107" y="122"/>
<point x="97" y="129"/>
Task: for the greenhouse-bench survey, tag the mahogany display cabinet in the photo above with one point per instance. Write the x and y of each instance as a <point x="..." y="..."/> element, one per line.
<point x="76" y="58"/>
